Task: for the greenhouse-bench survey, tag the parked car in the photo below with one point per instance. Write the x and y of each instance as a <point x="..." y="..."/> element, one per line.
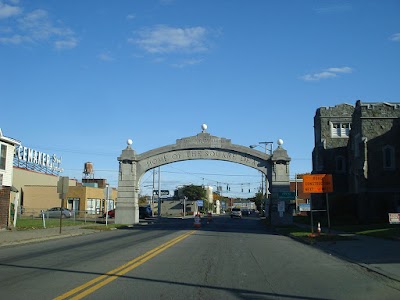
<point x="246" y="212"/>
<point x="111" y="214"/>
<point x="55" y="212"/>
<point x="236" y="213"/>
<point x="145" y="212"/>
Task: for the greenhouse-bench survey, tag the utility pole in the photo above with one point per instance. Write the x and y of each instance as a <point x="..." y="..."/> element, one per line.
<point x="152" y="193"/>
<point x="295" y="195"/>
<point x="159" y="193"/>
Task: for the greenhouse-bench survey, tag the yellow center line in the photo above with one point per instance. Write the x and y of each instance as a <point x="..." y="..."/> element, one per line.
<point x="98" y="282"/>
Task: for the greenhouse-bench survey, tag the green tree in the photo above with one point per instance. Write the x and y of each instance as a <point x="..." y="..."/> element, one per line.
<point x="143" y="200"/>
<point x="258" y="200"/>
<point x="194" y="192"/>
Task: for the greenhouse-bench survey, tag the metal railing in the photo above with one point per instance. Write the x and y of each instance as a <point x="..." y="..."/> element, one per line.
<point x="74" y="216"/>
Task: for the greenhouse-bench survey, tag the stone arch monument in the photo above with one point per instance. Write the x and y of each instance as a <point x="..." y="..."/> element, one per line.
<point x="133" y="166"/>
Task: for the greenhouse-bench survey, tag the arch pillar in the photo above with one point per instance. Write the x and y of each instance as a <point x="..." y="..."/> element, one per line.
<point x="127" y="211"/>
<point x="279" y="181"/>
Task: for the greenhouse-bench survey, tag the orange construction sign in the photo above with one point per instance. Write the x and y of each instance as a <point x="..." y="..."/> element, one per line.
<point x="317" y="183"/>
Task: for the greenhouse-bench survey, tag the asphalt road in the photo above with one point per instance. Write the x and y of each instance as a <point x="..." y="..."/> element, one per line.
<point x="225" y="259"/>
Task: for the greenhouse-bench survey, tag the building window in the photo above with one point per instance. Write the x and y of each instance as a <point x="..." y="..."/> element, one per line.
<point x="3" y="156"/>
<point x="388" y="158"/>
<point x="340" y="164"/>
<point x="93" y="206"/>
<point x="340" y="129"/>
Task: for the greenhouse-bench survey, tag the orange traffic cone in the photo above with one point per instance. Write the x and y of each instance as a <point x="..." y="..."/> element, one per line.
<point x="197" y="223"/>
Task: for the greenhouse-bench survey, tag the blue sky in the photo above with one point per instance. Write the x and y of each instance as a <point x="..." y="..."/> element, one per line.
<point x="78" y="78"/>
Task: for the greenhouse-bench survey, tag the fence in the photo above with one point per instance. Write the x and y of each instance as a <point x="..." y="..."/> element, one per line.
<point x="77" y="216"/>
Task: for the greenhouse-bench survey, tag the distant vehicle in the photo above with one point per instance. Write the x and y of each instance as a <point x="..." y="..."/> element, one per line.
<point x="55" y="212"/>
<point x="111" y="214"/>
<point x="145" y="212"/>
<point x="246" y="212"/>
<point x="236" y="213"/>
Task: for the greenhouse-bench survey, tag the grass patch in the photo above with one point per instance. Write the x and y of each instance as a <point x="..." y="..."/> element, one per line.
<point x="26" y="224"/>
<point x="29" y="223"/>
<point x="384" y="231"/>
<point x="304" y="235"/>
<point x="349" y="225"/>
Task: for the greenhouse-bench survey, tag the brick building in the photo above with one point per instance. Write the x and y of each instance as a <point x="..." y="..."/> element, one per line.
<point x="360" y="146"/>
<point x="296" y="186"/>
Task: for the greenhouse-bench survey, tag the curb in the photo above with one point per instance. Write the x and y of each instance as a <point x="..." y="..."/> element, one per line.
<point x="41" y="239"/>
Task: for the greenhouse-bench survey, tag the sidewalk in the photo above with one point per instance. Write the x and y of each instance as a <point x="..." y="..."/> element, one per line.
<point x="378" y="255"/>
<point x="17" y="237"/>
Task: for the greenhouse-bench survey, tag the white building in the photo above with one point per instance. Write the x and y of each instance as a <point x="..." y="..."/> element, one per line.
<point x="7" y="149"/>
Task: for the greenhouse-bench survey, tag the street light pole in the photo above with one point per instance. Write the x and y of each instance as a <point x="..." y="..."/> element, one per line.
<point x="264" y="182"/>
<point x="159" y="193"/>
<point x="270" y="153"/>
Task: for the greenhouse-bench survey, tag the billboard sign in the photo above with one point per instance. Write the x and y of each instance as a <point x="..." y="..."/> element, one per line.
<point x="32" y="159"/>
<point x="317" y="183"/>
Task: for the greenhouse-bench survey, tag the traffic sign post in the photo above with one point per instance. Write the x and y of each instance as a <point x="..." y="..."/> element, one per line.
<point x="286" y="195"/>
<point x="162" y="192"/>
<point x="106" y="196"/>
<point x="62" y="189"/>
<point x="318" y="184"/>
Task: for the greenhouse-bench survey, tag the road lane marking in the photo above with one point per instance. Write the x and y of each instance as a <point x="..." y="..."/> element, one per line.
<point x="98" y="282"/>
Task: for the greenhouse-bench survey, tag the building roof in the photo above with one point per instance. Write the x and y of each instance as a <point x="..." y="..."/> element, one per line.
<point x="8" y="140"/>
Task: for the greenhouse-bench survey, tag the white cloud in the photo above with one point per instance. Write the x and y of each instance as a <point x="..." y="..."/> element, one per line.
<point x="395" y="37"/>
<point x="340" y="70"/>
<point x="164" y="39"/>
<point x="7" y="11"/>
<point x="188" y="62"/>
<point x="130" y="17"/>
<point x="105" y="56"/>
<point x="68" y="43"/>
<point x="15" y="39"/>
<point x="36" y="27"/>
<point x="329" y="9"/>
<point x="325" y="74"/>
<point x="167" y="2"/>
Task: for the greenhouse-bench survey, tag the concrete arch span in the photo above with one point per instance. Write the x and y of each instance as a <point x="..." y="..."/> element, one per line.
<point x="203" y="146"/>
<point x="235" y="154"/>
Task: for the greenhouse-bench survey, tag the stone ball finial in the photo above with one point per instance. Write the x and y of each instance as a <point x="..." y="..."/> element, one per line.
<point x="129" y="142"/>
<point x="280" y="142"/>
<point x="204" y="127"/>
